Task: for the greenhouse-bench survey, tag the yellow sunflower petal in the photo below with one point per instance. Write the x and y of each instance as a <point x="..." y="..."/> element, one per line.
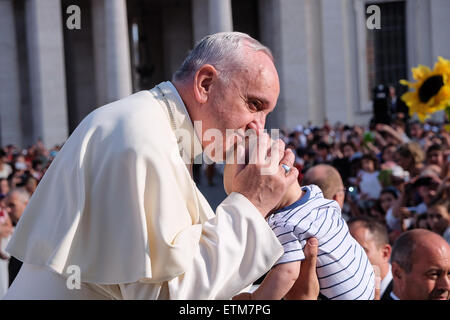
<point x="437" y="102"/>
<point x="421" y="72"/>
<point x="409" y="97"/>
<point x="445" y="92"/>
<point x="405" y="83"/>
<point x="442" y="66"/>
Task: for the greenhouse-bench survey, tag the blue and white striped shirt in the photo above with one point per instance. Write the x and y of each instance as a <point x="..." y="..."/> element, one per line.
<point x="343" y="268"/>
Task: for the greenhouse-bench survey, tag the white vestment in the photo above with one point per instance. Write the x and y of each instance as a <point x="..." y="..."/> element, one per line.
<point x="119" y="202"/>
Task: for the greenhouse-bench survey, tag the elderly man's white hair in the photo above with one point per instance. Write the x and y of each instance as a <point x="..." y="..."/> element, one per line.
<point x="221" y="50"/>
<point x="21" y="193"/>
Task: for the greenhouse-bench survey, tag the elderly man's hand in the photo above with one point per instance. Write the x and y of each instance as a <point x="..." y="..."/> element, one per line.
<point x="264" y="181"/>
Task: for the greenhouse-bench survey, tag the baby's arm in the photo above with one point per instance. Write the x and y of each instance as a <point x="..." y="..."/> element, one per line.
<point x="278" y="281"/>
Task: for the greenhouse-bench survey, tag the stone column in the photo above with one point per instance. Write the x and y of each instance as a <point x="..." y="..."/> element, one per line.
<point x="111" y="50"/>
<point x="340" y="80"/>
<point x="47" y="71"/>
<point x="220" y="16"/>
<point x="210" y="16"/>
<point x="419" y="34"/>
<point x="200" y="19"/>
<point x="440" y="25"/>
<point x="292" y="30"/>
<point x="10" y="128"/>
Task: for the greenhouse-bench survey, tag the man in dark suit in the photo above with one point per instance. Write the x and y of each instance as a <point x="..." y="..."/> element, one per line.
<point x="420" y="266"/>
<point x="372" y="235"/>
<point x="397" y="106"/>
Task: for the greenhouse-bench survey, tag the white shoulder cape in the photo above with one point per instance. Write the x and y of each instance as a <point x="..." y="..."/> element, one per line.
<point x="117" y="201"/>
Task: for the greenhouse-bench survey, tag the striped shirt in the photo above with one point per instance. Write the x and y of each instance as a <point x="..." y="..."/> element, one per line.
<point x="343" y="269"/>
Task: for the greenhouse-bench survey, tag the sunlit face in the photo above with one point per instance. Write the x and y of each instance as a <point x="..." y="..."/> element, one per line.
<point x="245" y="101"/>
<point x="429" y="278"/>
<point x="438" y="218"/>
<point x="435" y="157"/>
<point x="373" y="250"/>
<point x="386" y="201"/>
<point x="15" y="206"/>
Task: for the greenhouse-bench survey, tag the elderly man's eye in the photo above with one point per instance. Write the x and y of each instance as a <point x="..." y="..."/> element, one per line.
<point x="255" y="105"/>
<point x="434" y="274"/>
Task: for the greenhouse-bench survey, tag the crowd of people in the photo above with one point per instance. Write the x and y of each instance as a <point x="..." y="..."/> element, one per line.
<point x="395" y="178"/>
<point x="397" y="174"/>
<point x="20" y="172"/>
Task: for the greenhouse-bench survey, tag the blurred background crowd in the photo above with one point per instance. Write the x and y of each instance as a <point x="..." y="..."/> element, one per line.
<point x="394" y="171"/>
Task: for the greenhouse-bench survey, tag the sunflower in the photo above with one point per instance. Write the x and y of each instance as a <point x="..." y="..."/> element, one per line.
<point x="432" y="89"/>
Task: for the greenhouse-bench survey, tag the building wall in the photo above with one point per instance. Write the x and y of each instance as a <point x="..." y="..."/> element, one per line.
<point x="10" y="126"/>
<point x="52" y="77"/>
<point x="79" y="64"/>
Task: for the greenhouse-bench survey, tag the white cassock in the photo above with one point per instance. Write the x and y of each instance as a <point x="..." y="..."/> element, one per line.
<point x="118" y="202"/>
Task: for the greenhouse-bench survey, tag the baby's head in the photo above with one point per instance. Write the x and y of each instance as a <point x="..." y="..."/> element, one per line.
<point x="369" y="163"/>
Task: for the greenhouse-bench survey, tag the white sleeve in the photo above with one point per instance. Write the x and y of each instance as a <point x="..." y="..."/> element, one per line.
<point x="236" y="247"/>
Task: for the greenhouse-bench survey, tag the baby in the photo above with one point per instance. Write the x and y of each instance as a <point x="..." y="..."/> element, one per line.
<point x="343" y="269"/>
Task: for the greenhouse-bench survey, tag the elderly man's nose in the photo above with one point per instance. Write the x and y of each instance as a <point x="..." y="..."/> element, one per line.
<point x="260" y="120"/>
<point x="256" y="125"/>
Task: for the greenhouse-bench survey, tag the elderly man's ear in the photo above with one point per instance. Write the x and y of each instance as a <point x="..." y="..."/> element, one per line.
<point x="397" y="271"/>
<point x="203" y="80"/>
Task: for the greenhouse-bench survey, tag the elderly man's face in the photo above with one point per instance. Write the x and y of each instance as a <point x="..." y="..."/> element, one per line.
<point x="246" y="100"/>
<point x="15" y="206"/>
<point x="429" y="278"/>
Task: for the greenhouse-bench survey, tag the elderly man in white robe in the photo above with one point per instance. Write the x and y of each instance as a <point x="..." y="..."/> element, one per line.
<point x="119" y="209"/>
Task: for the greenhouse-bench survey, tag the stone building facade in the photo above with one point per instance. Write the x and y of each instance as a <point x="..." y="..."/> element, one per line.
<point x="328" y="59"/>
